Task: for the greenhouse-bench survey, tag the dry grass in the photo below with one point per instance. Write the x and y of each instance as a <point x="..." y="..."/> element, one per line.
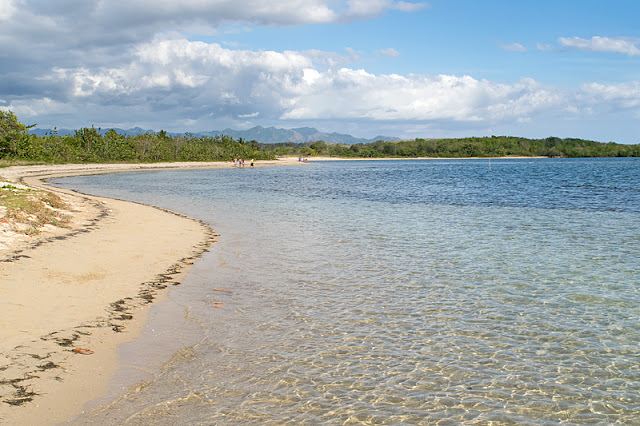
<point x="9" y="163"/>
<point x="29" y="210"/>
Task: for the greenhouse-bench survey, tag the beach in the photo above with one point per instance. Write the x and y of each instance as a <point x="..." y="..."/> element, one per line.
<point x="356" y="291"/>
<point x="69" y="296"/>
<point x="402" y="291"/>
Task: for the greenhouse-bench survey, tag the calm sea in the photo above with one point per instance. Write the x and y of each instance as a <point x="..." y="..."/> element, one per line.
<point x="396" y="292"/>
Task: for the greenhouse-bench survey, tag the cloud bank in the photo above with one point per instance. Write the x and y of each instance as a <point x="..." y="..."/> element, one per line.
<point x="112" y="63"/>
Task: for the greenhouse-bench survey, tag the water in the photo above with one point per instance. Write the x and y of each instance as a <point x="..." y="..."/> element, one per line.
<point x="390" y="292"/>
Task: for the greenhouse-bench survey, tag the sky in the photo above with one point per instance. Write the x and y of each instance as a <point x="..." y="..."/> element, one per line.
<point x="410" y="68"/>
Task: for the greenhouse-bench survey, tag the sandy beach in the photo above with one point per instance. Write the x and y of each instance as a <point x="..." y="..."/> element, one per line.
<point x="69" y="296"/>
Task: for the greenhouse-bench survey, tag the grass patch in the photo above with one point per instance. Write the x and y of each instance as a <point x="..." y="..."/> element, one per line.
<point x="8" y="163"/>
<point x="33" y="208"/>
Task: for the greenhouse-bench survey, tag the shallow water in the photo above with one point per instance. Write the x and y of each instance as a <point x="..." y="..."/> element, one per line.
<point x="411" y="292"/>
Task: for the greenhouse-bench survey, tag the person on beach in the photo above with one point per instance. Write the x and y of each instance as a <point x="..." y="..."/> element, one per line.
<point x="251" y="164"/>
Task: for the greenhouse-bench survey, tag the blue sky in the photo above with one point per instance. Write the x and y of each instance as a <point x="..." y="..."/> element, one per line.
<point x="409" y="69"/>
<point x="469" y="37"/>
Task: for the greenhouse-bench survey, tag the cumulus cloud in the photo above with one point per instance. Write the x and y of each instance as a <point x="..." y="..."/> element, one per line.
<point x="194" y="80"/>
<point x="624" y="45"/>
<point x="34" y="33"/>
<point x="119" y="63"/>
<point x="287" y="85"/>
<point x="192" y="77"/>
<point x="40" y="35"/>
<point x="615" y="96"/>
<point x="125" y="20"/>
<point x="356" y="93"/>
<point x="35" y="107"/>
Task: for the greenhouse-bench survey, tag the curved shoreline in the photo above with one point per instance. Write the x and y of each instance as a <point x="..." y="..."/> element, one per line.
<point x="42" y="379"/>
<point x="87" y="287"/>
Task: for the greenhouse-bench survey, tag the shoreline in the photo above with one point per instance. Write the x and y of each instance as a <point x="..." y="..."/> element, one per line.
<point x="90" y="286"/>
<point x="325" y="158"/>
<point x="72" y="300"/>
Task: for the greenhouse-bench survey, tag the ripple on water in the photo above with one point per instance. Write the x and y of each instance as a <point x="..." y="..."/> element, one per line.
<point x="446" y="295"/>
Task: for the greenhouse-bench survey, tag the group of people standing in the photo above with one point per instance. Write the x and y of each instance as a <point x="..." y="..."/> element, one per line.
<point x="239" y="162"/>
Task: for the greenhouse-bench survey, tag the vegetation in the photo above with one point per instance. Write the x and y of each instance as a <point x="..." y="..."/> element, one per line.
<point x="494" y="146"/>
<point x="28" y="211"/>
<point x="91" y="145"/>
<point x="11" y="133"/>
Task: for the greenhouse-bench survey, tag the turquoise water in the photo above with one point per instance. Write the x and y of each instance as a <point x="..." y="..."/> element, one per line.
<point x="415" y="292"/>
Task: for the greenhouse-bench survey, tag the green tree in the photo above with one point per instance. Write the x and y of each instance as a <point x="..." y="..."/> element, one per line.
<point x="319" y="146"/>
<point x="12" y="133"/>
<point x="307" y="151"/>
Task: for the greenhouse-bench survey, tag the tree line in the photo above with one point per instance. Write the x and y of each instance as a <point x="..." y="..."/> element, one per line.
<point x="91" y="145"/>
<point x="491" y="146"/>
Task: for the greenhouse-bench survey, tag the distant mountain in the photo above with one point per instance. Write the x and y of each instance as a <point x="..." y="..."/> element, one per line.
<point x="298" y="135"/>
<point x="258" y="133"/>
<point x="63" y="132"/>
<point x="45" y="132"/>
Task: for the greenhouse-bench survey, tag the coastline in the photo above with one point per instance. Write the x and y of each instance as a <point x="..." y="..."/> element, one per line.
<point x="88" y="286"/>
<point x="325" y="158"/>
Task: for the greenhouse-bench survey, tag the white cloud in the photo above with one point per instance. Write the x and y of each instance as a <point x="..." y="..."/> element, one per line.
<point x="194" y="75"/>
<point x="7" y="9"/>
<point x="133" y="64"/>
<point x="30" y="108"/>
<point x="40" y="35"/>
<point x="624" y="45"/>
<point x="613" y="96"/>
<point x="358" y="94"/>
<point x="197" y="81"/>
<point x="252" y="115"/>
<point x="514" y="47"/>
<point x="209" y="78"/>
<point x="262" y="12"/>
<point x="124" y="58"/>
<point x="370" y="8"/>
<point x="124" y="21"/>
<point x="544" y="47"/>
<point x="389" y="52"/>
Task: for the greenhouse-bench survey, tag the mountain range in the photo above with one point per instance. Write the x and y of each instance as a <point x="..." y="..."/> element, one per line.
<point x="258" y="133"/>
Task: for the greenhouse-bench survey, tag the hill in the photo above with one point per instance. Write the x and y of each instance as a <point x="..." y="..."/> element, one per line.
<point x="257" y="133"/>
